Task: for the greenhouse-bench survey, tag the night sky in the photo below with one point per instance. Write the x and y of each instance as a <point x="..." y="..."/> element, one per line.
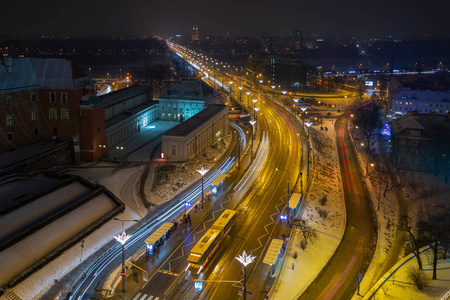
<point x="82" y="18"/>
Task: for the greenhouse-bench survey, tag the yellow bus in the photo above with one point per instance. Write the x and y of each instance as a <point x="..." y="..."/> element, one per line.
<point x="210" y="241"/>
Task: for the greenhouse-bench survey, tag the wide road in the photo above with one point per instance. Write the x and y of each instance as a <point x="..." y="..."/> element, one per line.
<point x="339" y="278"/>
<point x="259" y="209"/>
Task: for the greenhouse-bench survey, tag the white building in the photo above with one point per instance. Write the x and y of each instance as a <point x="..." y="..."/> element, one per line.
<point x="192" y="137"/>
<point x="185" y="99"/>
<point x="421" y="101"/>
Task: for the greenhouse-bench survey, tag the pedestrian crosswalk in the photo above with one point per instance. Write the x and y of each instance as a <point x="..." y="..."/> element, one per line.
<point x="141" y="296"/>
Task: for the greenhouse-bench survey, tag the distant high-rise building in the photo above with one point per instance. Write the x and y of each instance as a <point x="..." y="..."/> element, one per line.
<point x="297" y="42"/>
<point x="195" y="33"/>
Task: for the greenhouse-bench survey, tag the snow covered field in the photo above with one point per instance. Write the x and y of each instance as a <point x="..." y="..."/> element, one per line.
<point x="297" y="273"/>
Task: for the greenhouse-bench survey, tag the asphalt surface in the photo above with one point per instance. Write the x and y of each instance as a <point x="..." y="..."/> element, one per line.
<point x="339" y="278"/>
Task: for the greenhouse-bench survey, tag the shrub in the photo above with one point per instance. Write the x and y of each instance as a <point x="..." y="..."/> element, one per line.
<point x="303" y="244"/>
<point x="323" y="200"/>
<point x="323" y="213"/>
<point x="418" y="278"/>
<point x="295" y="255"/>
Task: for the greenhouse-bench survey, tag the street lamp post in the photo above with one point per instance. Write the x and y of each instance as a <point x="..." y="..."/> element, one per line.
<point x="248" y="98"/>
<point x="288" y="194"/>
<point x="362" y="256"/>
<point x="295" y="109"/>
<point x="254" y="111"/>
<point x="230" y="82"/>
<point x="260" y="89"/>
<point x="122" y="238"/>
<point x="284" y="94"/>
<point x="273" y="92"/>
<point x="120" y="152"/>
<point x="309" y="142"/>
<point x="202" y="172"/>
<point x="251" y="150"/>
<point x="245" y="260"/>
<point x="303" y="108"/>
<point x="101" y="149"/>
<point x="240" y="91"/>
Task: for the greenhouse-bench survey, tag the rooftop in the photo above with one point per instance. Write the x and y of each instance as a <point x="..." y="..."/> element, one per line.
<point x="188" y="126"/>
<point x="424" y="122"/>
<point x="48" y="73"/>
<point x="190" y="89"/>
<point x="426" y="96"/>
<point x="124" y="94"/>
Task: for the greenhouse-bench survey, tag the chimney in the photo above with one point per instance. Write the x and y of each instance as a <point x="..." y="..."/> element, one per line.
<point x="8" y="63"/>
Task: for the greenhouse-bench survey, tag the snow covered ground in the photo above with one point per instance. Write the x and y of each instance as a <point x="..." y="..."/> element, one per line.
<point x="396" y="285"/>
<point x="299" y="272"/>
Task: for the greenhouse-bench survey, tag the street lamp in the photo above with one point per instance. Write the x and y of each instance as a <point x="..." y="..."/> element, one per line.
<point x="308" y="124"/>
<point x="248" y="98"/>
<point x="362" y="256"/>
<point x="260" y="89"/>
<point x="202" y="172"/>
<point x="122" y="238"/>
<point x="251" y="150"/>
<point x="120" y="153"/>
<point x="284" y="94"/>
<point x="287" y="202"/>
<point x="303" y="108"/>
<point x="240" y="90"/>
<point x="230" y="82"/>
<point x="254" y="111"/>
<point x="295" y="100"/>
<point x="245" y="259"/>
<point x="101" y="149"/>
<point x="273" y="92"/>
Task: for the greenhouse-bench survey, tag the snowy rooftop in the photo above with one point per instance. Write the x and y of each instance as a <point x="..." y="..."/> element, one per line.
<point x="49" y="73"/>
<point x="188" y="126"/>
<point x="190" y="89"/>
<point x="414" y="120"/>
<point x="425" y="96"/>
<point x="124" y="94"/>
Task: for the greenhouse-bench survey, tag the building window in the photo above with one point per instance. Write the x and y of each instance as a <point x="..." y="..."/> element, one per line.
<point x="10" y="136"/>
<point x="8" y="101"/>
<point x="414" y="143"/>
<point x="36" y="131"/>
<point x="64" y="114"/>
<point x="34" y="115"/>
<point x="64" y="98"/>
<point x="33" y="97"/>
<point x="52" y="97"/>
<point x="98" y="128"/>
<point x="413" y="161"/>
<point x="173" y="150"/>
<point x="9" y="120"/>
<point x="83" y="112"/>
<point x="53" y="115"/>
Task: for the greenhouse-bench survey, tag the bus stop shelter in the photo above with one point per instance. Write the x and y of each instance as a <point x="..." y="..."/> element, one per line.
<point x="158" y="237"/>
<point x="217" y="183"/>
<point x="294" y="203"/>
<point x="273" y="254"/>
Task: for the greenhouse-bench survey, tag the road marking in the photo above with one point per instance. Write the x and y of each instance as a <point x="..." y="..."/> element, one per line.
<point x="137" y="296"/>
<point x="145" y="296"/>
<point x="168" y="273"/>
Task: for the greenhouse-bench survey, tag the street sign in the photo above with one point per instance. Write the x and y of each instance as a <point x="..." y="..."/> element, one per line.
<point x="266" y="297"/>
<point x="250" y="293"/>
<point x="240" y="292"/>
<point x="360" y="277"/>
<point x="122" y="273"/>
<point x="198" y="285"/>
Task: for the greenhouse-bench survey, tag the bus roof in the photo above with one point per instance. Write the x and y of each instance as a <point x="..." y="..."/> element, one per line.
<point x="206" y="240"/>
<point x="224" y="218"/>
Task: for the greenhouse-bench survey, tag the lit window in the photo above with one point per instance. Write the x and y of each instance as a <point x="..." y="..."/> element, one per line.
<point x="64" y="114"/>
<point x="34" y="115"/>
<point x="9" y="120"/>
<point x="53" y="114"/>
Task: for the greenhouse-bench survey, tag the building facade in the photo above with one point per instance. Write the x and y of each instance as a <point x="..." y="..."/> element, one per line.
<point x="40" y="101"/>
<point x="185" y="99"/>
<point x="191" y="138"/>
<point x="421" y="142"/>
<point x="423" y="102"/>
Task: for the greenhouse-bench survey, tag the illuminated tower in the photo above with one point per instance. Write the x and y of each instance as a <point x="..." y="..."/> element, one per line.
<point x="195" y="33"/>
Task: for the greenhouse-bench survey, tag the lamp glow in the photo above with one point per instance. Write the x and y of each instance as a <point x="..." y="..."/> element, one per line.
<point x="245" y="259"/>
<point x="308" y="123"/>
<point x="122" y="238"/>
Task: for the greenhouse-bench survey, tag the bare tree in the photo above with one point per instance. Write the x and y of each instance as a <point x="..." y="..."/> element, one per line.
<point x="404" y="225"/>
<point x="309" y="234"/>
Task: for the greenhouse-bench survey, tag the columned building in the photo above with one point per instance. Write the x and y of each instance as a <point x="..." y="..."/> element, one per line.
<point x="191" y="138"/>
<point x="185" y="99"/>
